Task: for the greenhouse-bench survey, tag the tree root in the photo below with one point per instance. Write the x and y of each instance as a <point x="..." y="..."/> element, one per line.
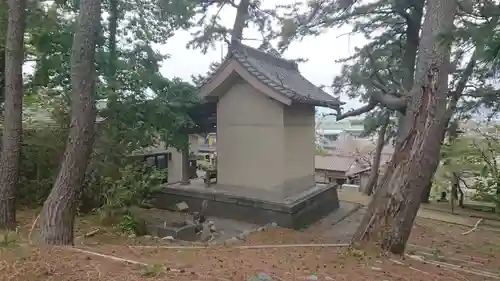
<point x="474" y="228"/>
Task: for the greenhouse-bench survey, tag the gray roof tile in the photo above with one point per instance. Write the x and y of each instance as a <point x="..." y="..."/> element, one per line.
<point x="282" y="75"/>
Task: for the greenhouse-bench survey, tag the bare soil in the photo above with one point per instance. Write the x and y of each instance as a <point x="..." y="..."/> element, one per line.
<point x="445" y="252"/>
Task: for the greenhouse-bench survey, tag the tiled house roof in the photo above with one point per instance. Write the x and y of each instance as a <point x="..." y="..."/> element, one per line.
<point x="352" y="157"/>
<point x="280" y="74"/>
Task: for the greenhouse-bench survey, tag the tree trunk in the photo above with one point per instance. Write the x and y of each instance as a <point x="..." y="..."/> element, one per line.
<point x="455" y="186"/>
<point x="372" y="180"/>
<point x="455" y="180"/>
<point x="58" y="213"/>
<point x="390" y="215"/>
<point x="413" y="25"/>
<point x="239" y="22"/>
<point x="2" y="74"/>
<point x="185" y="164"/>
<point x="113" y="57"/>
<point x="3" y="24"/>
<point x="426" y="194"/>
<point x="13" y="108"/>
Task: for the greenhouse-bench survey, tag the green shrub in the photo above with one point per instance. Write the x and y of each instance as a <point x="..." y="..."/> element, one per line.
<point x="41" y="153"/>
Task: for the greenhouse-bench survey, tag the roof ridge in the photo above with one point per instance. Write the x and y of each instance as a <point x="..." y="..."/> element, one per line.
<point x="254" y="52"/>
<point x="262" y="66"/>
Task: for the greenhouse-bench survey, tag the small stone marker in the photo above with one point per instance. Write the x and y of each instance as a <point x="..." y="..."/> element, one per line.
<point x="181" y="207"/>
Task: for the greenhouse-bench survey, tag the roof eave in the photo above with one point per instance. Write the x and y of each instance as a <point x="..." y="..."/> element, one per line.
<point x="329" y="104"/>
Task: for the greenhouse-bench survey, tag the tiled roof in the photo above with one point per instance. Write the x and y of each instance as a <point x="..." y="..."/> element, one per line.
<point x="334" y="162"/>
<point x="352" y="156"/>
<point x="281" y="75"/>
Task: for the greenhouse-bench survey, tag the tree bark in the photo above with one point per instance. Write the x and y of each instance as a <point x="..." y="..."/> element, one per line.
<point x="240" y="22"/>
<point x="13" y="108"/>
<point x="413" y="25"/>
<point x="390" y="215"/>
<point x="113" y="56"/>
<point x="3" y="24"/>
<point x="374" y="172"/>
<point x="185" y="164"/>
<point x="455" y="186"/>
<point x="455" y="178"/>
<point x="2" y="74"/>
<point x="426" y="194"/>
<point x="58" y="213"/>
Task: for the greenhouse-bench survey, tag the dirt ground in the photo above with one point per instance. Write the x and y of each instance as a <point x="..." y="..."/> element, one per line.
<point x="437" y="251"/>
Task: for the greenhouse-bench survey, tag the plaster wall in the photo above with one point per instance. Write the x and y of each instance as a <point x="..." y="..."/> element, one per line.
<point x="250" y="139"/>
<point x="263" y="144"/>
<point x="299" y="146"/>
<point x="174" y="166"/>
<point x="194" y="143"/>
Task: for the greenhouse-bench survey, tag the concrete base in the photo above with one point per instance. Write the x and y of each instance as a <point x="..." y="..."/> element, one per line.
<point x="294" y="212"/>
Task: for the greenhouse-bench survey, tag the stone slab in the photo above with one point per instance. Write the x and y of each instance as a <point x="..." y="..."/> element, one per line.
<point x="185" y="233"/>
<point x="297" y="212"/>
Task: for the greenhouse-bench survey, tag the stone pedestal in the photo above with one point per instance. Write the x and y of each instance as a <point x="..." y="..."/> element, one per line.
<point x="298" y="212"/>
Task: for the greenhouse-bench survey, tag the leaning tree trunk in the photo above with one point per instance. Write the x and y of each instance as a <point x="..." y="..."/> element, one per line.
<point x="375" y="169"/>
<point x="425" y="198"/>
<point x="13" y="108"/>
<point x="391" y="213"/>
<point x="58" y="213"/>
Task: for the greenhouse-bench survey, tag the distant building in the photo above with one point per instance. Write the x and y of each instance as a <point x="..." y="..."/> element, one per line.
<point x="349" y="161"/>
<point x="328" y="129"/>
<point x="208" y="143"/>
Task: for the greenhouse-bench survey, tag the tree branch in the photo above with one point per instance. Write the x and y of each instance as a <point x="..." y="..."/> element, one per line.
<point x="483" y="155"/>
<point x="386" y="100"/>
<point x="390" y="101"/>
<point x="383" y="97"/>
<point x="457" y="93"/>
<point x="355" y="112"/>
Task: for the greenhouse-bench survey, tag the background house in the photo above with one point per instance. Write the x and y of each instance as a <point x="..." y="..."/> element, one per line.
<point x="329" y="130"/>
<point x="349" y="161"/>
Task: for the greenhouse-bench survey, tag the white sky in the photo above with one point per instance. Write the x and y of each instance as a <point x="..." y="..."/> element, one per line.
<point x="321" y="52"/>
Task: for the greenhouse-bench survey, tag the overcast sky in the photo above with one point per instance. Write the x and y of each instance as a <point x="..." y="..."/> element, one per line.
<point x="321" y="52"/>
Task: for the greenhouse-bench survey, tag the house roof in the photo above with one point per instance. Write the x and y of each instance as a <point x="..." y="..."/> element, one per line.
<point x="352" y="156"/>
<point x="344" y="164"/>
<point x="279" y="74"/>
<point x="358" y="147"/>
